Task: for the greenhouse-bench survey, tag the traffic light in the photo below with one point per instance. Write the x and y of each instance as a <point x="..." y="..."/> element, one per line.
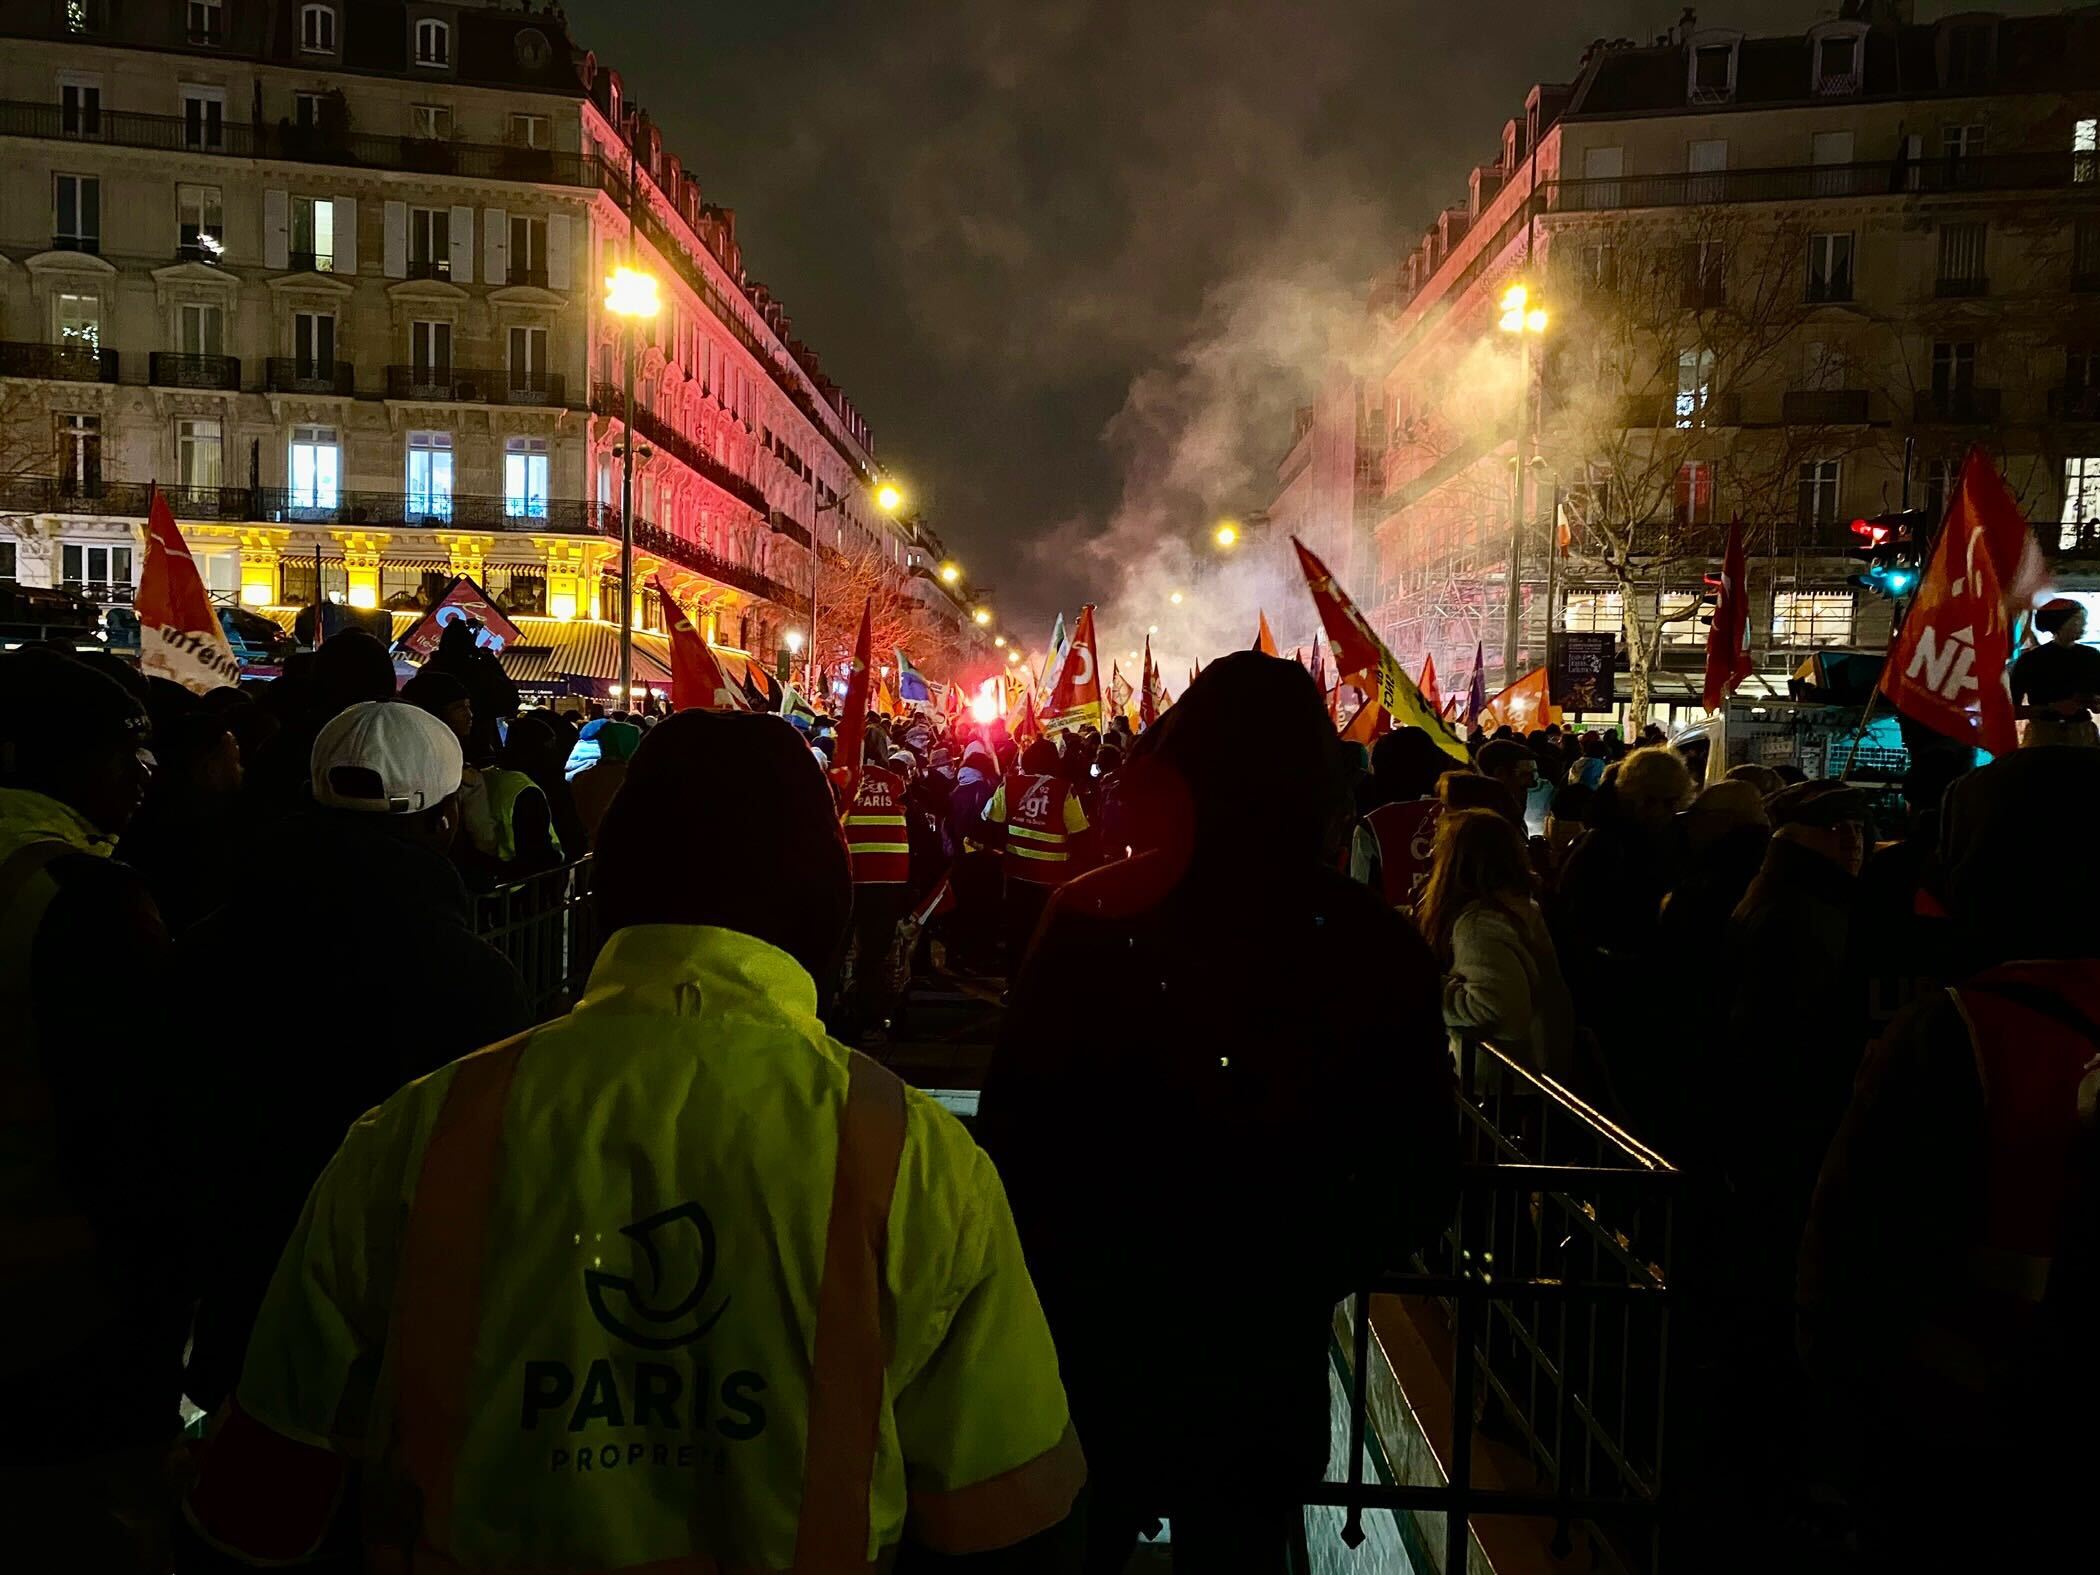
<point x="1892" y="546"/>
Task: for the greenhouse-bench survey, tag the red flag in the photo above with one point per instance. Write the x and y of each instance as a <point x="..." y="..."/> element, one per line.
<point x="697" y="680"/>
<point x="1148" y="698"/>
<point x="853" y="723"/>
<point x="1030" y="726"/>
<point x="179" y="633"/>
<point x="1264" y="641"/>
<point x="1076" y="700"/>
<point x="1946" y="666"/>
<point x="1432" y="696"/>
<point x="1356" y="649"/>
<point x="1728" y="636"/>
<point x="462" y="599"/>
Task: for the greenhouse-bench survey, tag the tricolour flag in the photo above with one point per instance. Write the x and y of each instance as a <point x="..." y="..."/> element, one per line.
<point x="179" y="633"/>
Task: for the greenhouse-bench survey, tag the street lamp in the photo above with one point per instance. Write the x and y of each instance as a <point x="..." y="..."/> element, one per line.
<point x="950" y="573"/>
<point x="982" y="616"/>
<point x="1227" y="534"/>
<point x="1175" y="598"/>
<point x="887" y="498"/>
<point x="630" y="296"/>
<point x="1523" y="317"/>
<point x="999" y="640"/>
<point x="794" y="641"/>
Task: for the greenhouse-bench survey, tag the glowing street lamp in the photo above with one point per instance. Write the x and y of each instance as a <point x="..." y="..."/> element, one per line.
<point x="1013" y="656"/>
<point x="981" y="617"/>
<point x="1227" y="534"/>
<point x="950" y="573"/>
<point x="885" y="497"/>
<point x="1175" y="598"/>
<point x="794" y="642"/>
<point x="999" y="640"/>
<point x="1525" y="318"/>
<point x="630" y="297"/>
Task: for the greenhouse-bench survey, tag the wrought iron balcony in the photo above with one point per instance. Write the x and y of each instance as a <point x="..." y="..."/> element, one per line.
<point x="475" y="386"/>
<point x="58" y="363"/>
<point x="1955" y="406"/>
<point x="1823" y="407"/>
<point x="1957" y="287"/>
<point x="654" y="539"/>
<point x="429" y="268"/>
<point x="283" y="374"/>
<point x="1805" y="182"/>
<point x="652" y="428"/>
<point x="167" y="369"/>
<point x="1680" y="410"/>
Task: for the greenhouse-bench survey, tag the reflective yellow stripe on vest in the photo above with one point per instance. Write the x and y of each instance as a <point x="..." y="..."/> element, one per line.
<point x="437" y="1315"/>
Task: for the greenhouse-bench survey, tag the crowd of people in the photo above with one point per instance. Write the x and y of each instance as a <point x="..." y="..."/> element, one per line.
<point x="680" y="1275"/>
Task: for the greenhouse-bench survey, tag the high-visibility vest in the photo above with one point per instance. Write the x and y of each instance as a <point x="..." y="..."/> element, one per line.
<point x="878" y="837"/>
<point x="1406" y="838"/>
<point x="674" y="1284"/>
<point x="2033" y="1028"/>
<point x="489" y="809"/>
<point x="1038" y="848"/>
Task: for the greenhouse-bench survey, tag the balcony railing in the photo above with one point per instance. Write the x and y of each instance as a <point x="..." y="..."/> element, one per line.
<point x="310" y="262"/>
<point x="652" y="428"/>
<point x="58" y="363"/>
<point x="167" y="369"/>
<point x="1957" y="287"/>
<point x="472" y="386"/>
<point x="690" y="555"/>
<point x="1673" y="410"/>
<point x="1823" y="407"/>
<point x="1955" y="406"/>
<point x="428" y="268"/>
<point x="283" y="374"/>
<point x="1805" y="182"/>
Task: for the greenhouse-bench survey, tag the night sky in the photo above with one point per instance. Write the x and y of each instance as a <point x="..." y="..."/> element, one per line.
<point x="1074" y="261"/>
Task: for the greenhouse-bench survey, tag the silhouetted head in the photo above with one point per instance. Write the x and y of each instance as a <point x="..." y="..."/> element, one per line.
<point x="1407" y="762"/>
<point x="73" y="734"/>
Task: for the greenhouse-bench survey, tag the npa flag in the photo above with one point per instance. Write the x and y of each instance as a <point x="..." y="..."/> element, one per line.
<point x="1524" y="705"/>
<point x="1360" y="656"/>
<point x="1075" y="699"/>
<point x="853" y="722"/>
<point x="1264" y="641"/>
<point x="1946" y="666"/>
<point x="697" y="680"/>
<point x="1728" y="636"/>
<point x="911" y="683"/>
<point x="179" y="633"/>
<point x="1477" y="689"/>
<point x="1432" y="696"/>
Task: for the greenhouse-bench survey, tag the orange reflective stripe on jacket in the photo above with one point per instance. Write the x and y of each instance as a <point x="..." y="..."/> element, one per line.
<point x="438" y="1315"/>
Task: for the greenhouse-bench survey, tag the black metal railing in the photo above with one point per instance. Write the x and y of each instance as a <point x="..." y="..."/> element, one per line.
<point x="1806" y="182"/>
<point x="1554" y="1284"/>
<point x="427" y="268"/>
<point x="58" y="363"/>
<point x="168" y="369"/>
<point x="476" y="386"/>
<point x="1823" y="407"/>
<point x="1955" y="406"/>
<point x="547" y="925"/>
<point x="656" y="540"/>
<point x="1680" y="410"/>
<point x="283" y="374"/>
<point x="606" y="400"/>
<point x="1962" y="286"/>
<point x="310" y="262"/>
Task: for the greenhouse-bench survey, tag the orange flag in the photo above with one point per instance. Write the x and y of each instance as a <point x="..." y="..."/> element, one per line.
<point x="1432" y="696"/>
<point x="697" y="680"/>
<point x="853" y="723"/>
<point x="179" y="633"/>
<point x="1076" y="699"/>
<point x="1369" y="724"/>
<point x="1264" y="641"/>
<point x="1029" y="727"/>
<point x="1946" y="666"/>
<point x="1524" y="705"/>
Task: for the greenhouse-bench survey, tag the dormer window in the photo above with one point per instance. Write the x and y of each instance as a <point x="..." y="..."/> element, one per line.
<point x="1713" y="70"/>
<point x="317" y="29"/>
<point x="1840" y="51"/>
<point x="1966" y="51"/>
<point x="433" y="42"/>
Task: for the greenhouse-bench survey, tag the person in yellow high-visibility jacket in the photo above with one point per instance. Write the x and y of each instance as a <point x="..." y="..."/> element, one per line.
<point x="676" y="1283"/>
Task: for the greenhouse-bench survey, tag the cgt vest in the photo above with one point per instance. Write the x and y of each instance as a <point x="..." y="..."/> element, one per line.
<point x="878" y="837"/>
<point x="2035" y="1031"/>
<point x="1406" y="837"/>
<point x="1038" y="848"/>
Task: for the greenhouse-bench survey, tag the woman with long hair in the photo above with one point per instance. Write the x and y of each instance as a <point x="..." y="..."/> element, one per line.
<point x="1502" y="978"/>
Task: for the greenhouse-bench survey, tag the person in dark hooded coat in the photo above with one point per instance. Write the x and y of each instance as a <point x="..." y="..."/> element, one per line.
<point x="1177" y="1096"/>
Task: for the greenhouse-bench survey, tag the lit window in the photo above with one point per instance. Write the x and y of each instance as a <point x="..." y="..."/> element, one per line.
<point x="433" y="43"/>
<point x="80" y="464"/>
<point x="313" y="234"/>
<point x="2081" y="495"/>
<point x="1812" y="617"/>
<point x="525" y="478"/>
<point x="2085" y="145"/>
<point x="1817" y="480"/>
<point x="1594" y="612"/>
<point x="316" y="461"/>
<point x="1695" y="377"/>
<point x="78" y="320"/>
<point x="430" y="475"/>
<point x="1693" y="502"/>
<point x="317" y="29"/>
<point x="200" y="221"/>
<point x="198" y="451"/>
<point x="83" y="16"/>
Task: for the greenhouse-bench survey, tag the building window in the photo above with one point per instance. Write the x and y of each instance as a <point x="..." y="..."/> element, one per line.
<point x="313" y="344"/>
<point x="207" y="21"/>
<point x="77" y="319"/>
<point x="1693" y="503"/>
<point x="431" y="122"/>
<point x="1713" y="73"/>
<point x="528" y="250"/>
<point x="1837" y="64"/>
<point x="1689" y="629"/>
<point x="200" y="328"/>
<point x="2081" y="495"/>
<point x="197" y="453"/>
<point x="1593" y="612"/>
<point x="317" y="29"/>
<point x="1953" y="372"/>
<point x="100" y="573"/>
<point x="1707" y="162"/>
<point x="528" y="360"/>
<point x="80" y="454"/>
<point x="1968" y="55"/>
<point x="316" y="463"/>
<point x="200" y="221"/>
<point x="2081" y="372"/>
<point x="1812" y="618"/>
<point x="1961" y="258"/>
<point x="1940" y="478"/>
<point x="430" y="350"/>
<point x="1705" y="280"/>
<point x="204" y="118"/>
<point x="80" y="106"/>
<point x="433" y="43"/>
<point x="430" y="475"/>
<point x="525" y="478"/>
<point x="531" y="131"/>
<point x="1962" y="142"/>
<point x="1830" y="266"/>
<point x="1695" y="378"/>
<point x="83" y="16"/>
<point x="2085" y="148"/>
<point x="7" y="560"/>
<point x="429" y="243"/>
<point x="76" y="213"/>
<point x="313" y="234"/>
<point x="1818" y="483"/>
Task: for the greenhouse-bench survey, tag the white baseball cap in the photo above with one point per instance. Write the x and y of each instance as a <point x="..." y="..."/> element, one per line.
<point x="385" y="757"/>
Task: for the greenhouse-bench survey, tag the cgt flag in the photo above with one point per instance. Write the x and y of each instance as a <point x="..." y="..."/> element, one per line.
<point x="1946" y="666"/>
<point x="1524" y="705"/>
<point x="1361" y="657"/>
<point x="697" y="680"/>
<point x="1075" y="701"/>
<point x="179" y="634"/>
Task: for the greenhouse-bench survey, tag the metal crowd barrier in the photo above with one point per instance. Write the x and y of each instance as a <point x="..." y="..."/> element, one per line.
<point x="1554" y="1283"/>
<point x="547" y="925"/>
